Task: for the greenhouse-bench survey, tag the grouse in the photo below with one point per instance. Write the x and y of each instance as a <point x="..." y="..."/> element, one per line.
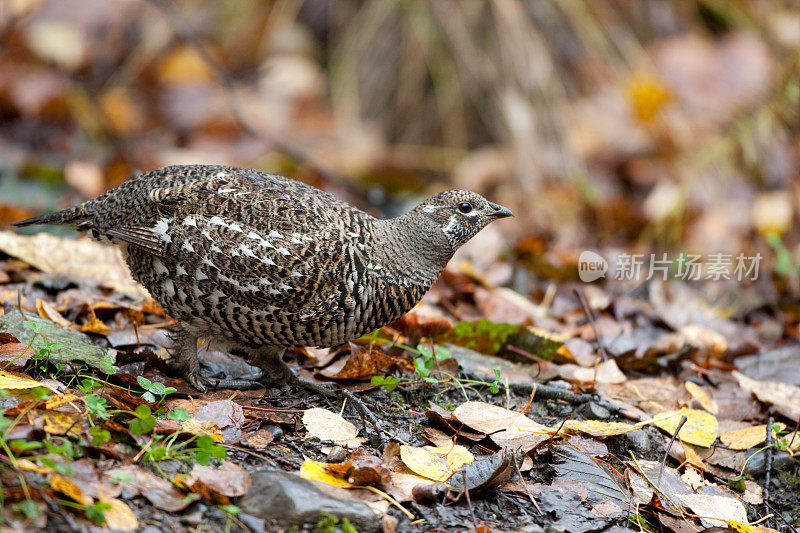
<point x="257" y="263"/>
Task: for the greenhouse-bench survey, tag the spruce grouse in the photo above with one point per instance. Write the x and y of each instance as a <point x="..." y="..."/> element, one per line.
<point x="256" y="262"/>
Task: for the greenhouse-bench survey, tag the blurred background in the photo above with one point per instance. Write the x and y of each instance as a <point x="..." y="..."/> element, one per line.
<point x="636" y="125"/>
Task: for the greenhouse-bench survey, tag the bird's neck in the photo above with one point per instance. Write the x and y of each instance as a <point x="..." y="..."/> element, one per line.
<point x="414" y="246"/>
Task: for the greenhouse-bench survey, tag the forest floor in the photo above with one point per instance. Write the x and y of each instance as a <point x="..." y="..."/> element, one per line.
<point x="479" y="410"/>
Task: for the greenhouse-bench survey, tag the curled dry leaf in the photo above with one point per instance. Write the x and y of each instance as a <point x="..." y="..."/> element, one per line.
<point x="362" y="363"/>
<point x="49" y="312"/>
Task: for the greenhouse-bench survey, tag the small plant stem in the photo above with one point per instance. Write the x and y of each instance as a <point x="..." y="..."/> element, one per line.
<point x="666" y="453"/>
<point x="28" y="347"/>
<point x="590" y="316"/>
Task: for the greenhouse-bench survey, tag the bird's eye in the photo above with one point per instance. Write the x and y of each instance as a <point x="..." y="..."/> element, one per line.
<point x="465" y="207"/>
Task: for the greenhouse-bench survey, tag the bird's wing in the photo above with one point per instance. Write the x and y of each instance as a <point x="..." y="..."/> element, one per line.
<point x="274" y="243"/>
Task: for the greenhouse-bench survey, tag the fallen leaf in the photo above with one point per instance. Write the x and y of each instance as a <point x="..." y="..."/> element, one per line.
<point x="745" y="438"/>
<point x="362" y="363"/>
<point x="327" y="425"/>
<point x="316" y="471"/>
<point x="605" y="372"/>
<point x="9" y="381"/>
<point x="48" y="311"/>
<point x="14" y="355"/>
<point x="160" y="492"/>
<point x="785" y="397"/>
<point x="95" y="325"/>
<point x="67" y="487"/>
<point x="701" y="397"/>
<point x="700" y="427"/>
<point x="508" y="429"/>
<point x="229" y="480"/>
<point x="436" y="463"/>
<point x="714" y="510"/>
<point x="119" y="517"/>
<point x="597" y="428"/>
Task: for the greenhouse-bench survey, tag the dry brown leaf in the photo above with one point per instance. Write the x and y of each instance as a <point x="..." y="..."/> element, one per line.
<point x="507" y="428"/>
<point x="229" y="480"/>
<point x="360" y="364"/>
<point x="75" y="259"/>
<point x="159" y="491"/>
<point x="14" y="355"/>
<point x="785" y="397"/>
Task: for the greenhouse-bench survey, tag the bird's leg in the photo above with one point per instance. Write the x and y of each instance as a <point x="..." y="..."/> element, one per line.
<point x="270" y="360"/>
<point x="184" y="357"/>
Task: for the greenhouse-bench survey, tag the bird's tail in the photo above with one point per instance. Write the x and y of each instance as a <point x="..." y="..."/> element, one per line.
<point x="73" y="215"/>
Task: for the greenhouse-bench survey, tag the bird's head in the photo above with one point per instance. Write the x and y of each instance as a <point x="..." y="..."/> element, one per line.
<point x="461" y="214"/>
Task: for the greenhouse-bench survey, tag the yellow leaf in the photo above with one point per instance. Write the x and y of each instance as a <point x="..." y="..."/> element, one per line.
<point x="700" y="428"/>
<point x="184" y="65"/>
<point x="701" y="397"/>
<point x="58" y="401"/>
<point x="11" y="381"/>
<point x="202" y="427"/>
<point x="95" y="325"/>
<point x="67" y="487"/>
<point x="27" y="464"/>
<point x="647" y="96"/>
<point x="119" y="517"/>
<point x="121" y="110"/>
<point x="315" y="470"/>
<point x="596" y="428"/>
<point x="745" y="438"/>
<point x="436" y="463"/>
<point x="58" y="423"/>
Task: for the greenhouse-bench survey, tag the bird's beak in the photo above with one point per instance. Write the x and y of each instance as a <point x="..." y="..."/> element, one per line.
<point x="500" y="211"/>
